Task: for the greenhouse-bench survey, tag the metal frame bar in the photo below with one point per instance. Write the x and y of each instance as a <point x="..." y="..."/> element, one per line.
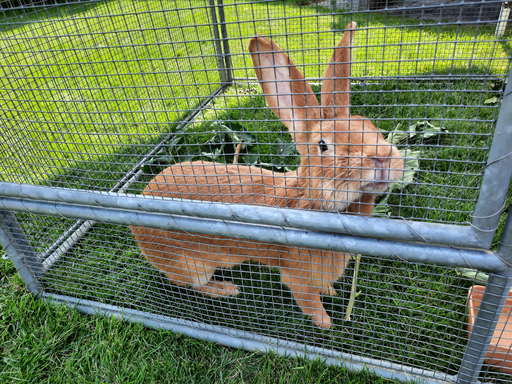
<point x="501" y="26"/>
<point x="491" y="307"/>
<point x="421" y="232"/>
<point x="493" y="300"/>
<point x="20" y="252"/>
<point x="450" y="256"/>
<point x="225" y="42"/>
<point x="224" y="74"/>
<point x="497" y="176"/>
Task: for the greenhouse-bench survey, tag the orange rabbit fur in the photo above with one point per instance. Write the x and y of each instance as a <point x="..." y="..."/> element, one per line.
<point x="343" y="177"/>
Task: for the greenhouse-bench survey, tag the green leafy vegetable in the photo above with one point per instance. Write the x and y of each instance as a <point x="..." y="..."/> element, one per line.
<point x="421" y="129"/>
<point x="381" y="209"/>
<point x="411" y="166"/>
<point x="472" y="274"/>
<point x="492" y="100"/>
<point x="218" y="144"/>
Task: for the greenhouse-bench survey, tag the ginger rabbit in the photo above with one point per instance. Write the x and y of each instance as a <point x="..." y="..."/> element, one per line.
<point x="345" y="163"/>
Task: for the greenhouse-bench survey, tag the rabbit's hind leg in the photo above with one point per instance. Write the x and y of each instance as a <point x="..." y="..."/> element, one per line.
<point x="198" y="273"/>
<point x="218" y="288"/>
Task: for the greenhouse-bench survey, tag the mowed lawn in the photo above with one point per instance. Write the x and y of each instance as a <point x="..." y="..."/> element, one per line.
<point x="87" y="90"/>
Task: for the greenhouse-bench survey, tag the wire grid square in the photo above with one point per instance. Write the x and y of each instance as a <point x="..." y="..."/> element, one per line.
<point x="90" y="89"/>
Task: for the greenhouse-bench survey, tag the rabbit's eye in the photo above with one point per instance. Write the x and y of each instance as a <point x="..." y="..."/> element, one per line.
<point x="323" y="146"/>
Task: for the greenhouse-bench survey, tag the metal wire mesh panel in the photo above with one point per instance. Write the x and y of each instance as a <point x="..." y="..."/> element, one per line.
<point x="433" y="81"/>
<point x="343" y="109"/>
<point x="407" y="313"/>
<point x="90" y="87"/>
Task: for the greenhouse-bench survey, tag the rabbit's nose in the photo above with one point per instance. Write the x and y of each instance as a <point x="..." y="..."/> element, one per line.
<point x="381" y="163"/>
<point x="383" y="151"/>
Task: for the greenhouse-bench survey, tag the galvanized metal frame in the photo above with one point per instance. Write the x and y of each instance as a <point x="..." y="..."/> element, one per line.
<point x="462" y="246"/>
<point x="496" y="292"/>
<point x="496" y="178"/>
<point x="20" y="252"/>
<point x="374" y="234"/>
<point x="441" y="255"/>
<point x="12" y="238"/>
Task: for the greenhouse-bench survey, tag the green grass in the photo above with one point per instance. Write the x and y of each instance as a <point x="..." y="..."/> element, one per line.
<point x="81" y="108"/>
<point x="77" y="85"/>
<point x="385" y="45"/>
<point x="78" y="94"/>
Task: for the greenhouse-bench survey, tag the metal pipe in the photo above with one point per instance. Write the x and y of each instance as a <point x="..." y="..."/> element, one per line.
<point x="62" y="238"/>
<point x="429" y="233"/>
<point x="354" y="80"/>
<point x="20" y="252"/>
<point x="505" y="243"/>
<point x="449" y="256"/>
<point x="225" y="42"/>
<point x="503" y="19"/>
<point x="497" y="176"/>
<point x="251" y="341"/>
<point x="491" y="307"/>
<point x="218" y="47"/>
<point x="67" y="244"/>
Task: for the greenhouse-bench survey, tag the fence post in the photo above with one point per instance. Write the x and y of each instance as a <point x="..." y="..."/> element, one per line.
<point x="497" y="175"/>
<point x="503" y="19"/>
<point x="225" y="42"/>
<point x="493" y="300"/>
<point x="20" y="252"/>
<point x="224" y="73"/>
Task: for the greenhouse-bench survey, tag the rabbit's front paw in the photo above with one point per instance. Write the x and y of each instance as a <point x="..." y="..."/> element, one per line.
<point x="322" y="319"/>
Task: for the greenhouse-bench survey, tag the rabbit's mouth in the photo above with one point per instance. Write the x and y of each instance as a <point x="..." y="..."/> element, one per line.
<point x="375" y="186"/>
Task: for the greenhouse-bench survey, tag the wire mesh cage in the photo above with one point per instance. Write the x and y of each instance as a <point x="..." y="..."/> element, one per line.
<point x="324" y="178"/>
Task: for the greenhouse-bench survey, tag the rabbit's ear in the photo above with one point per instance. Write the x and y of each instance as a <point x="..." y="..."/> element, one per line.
<point x="336" y="86"/>
<point x="288" y="94"/>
